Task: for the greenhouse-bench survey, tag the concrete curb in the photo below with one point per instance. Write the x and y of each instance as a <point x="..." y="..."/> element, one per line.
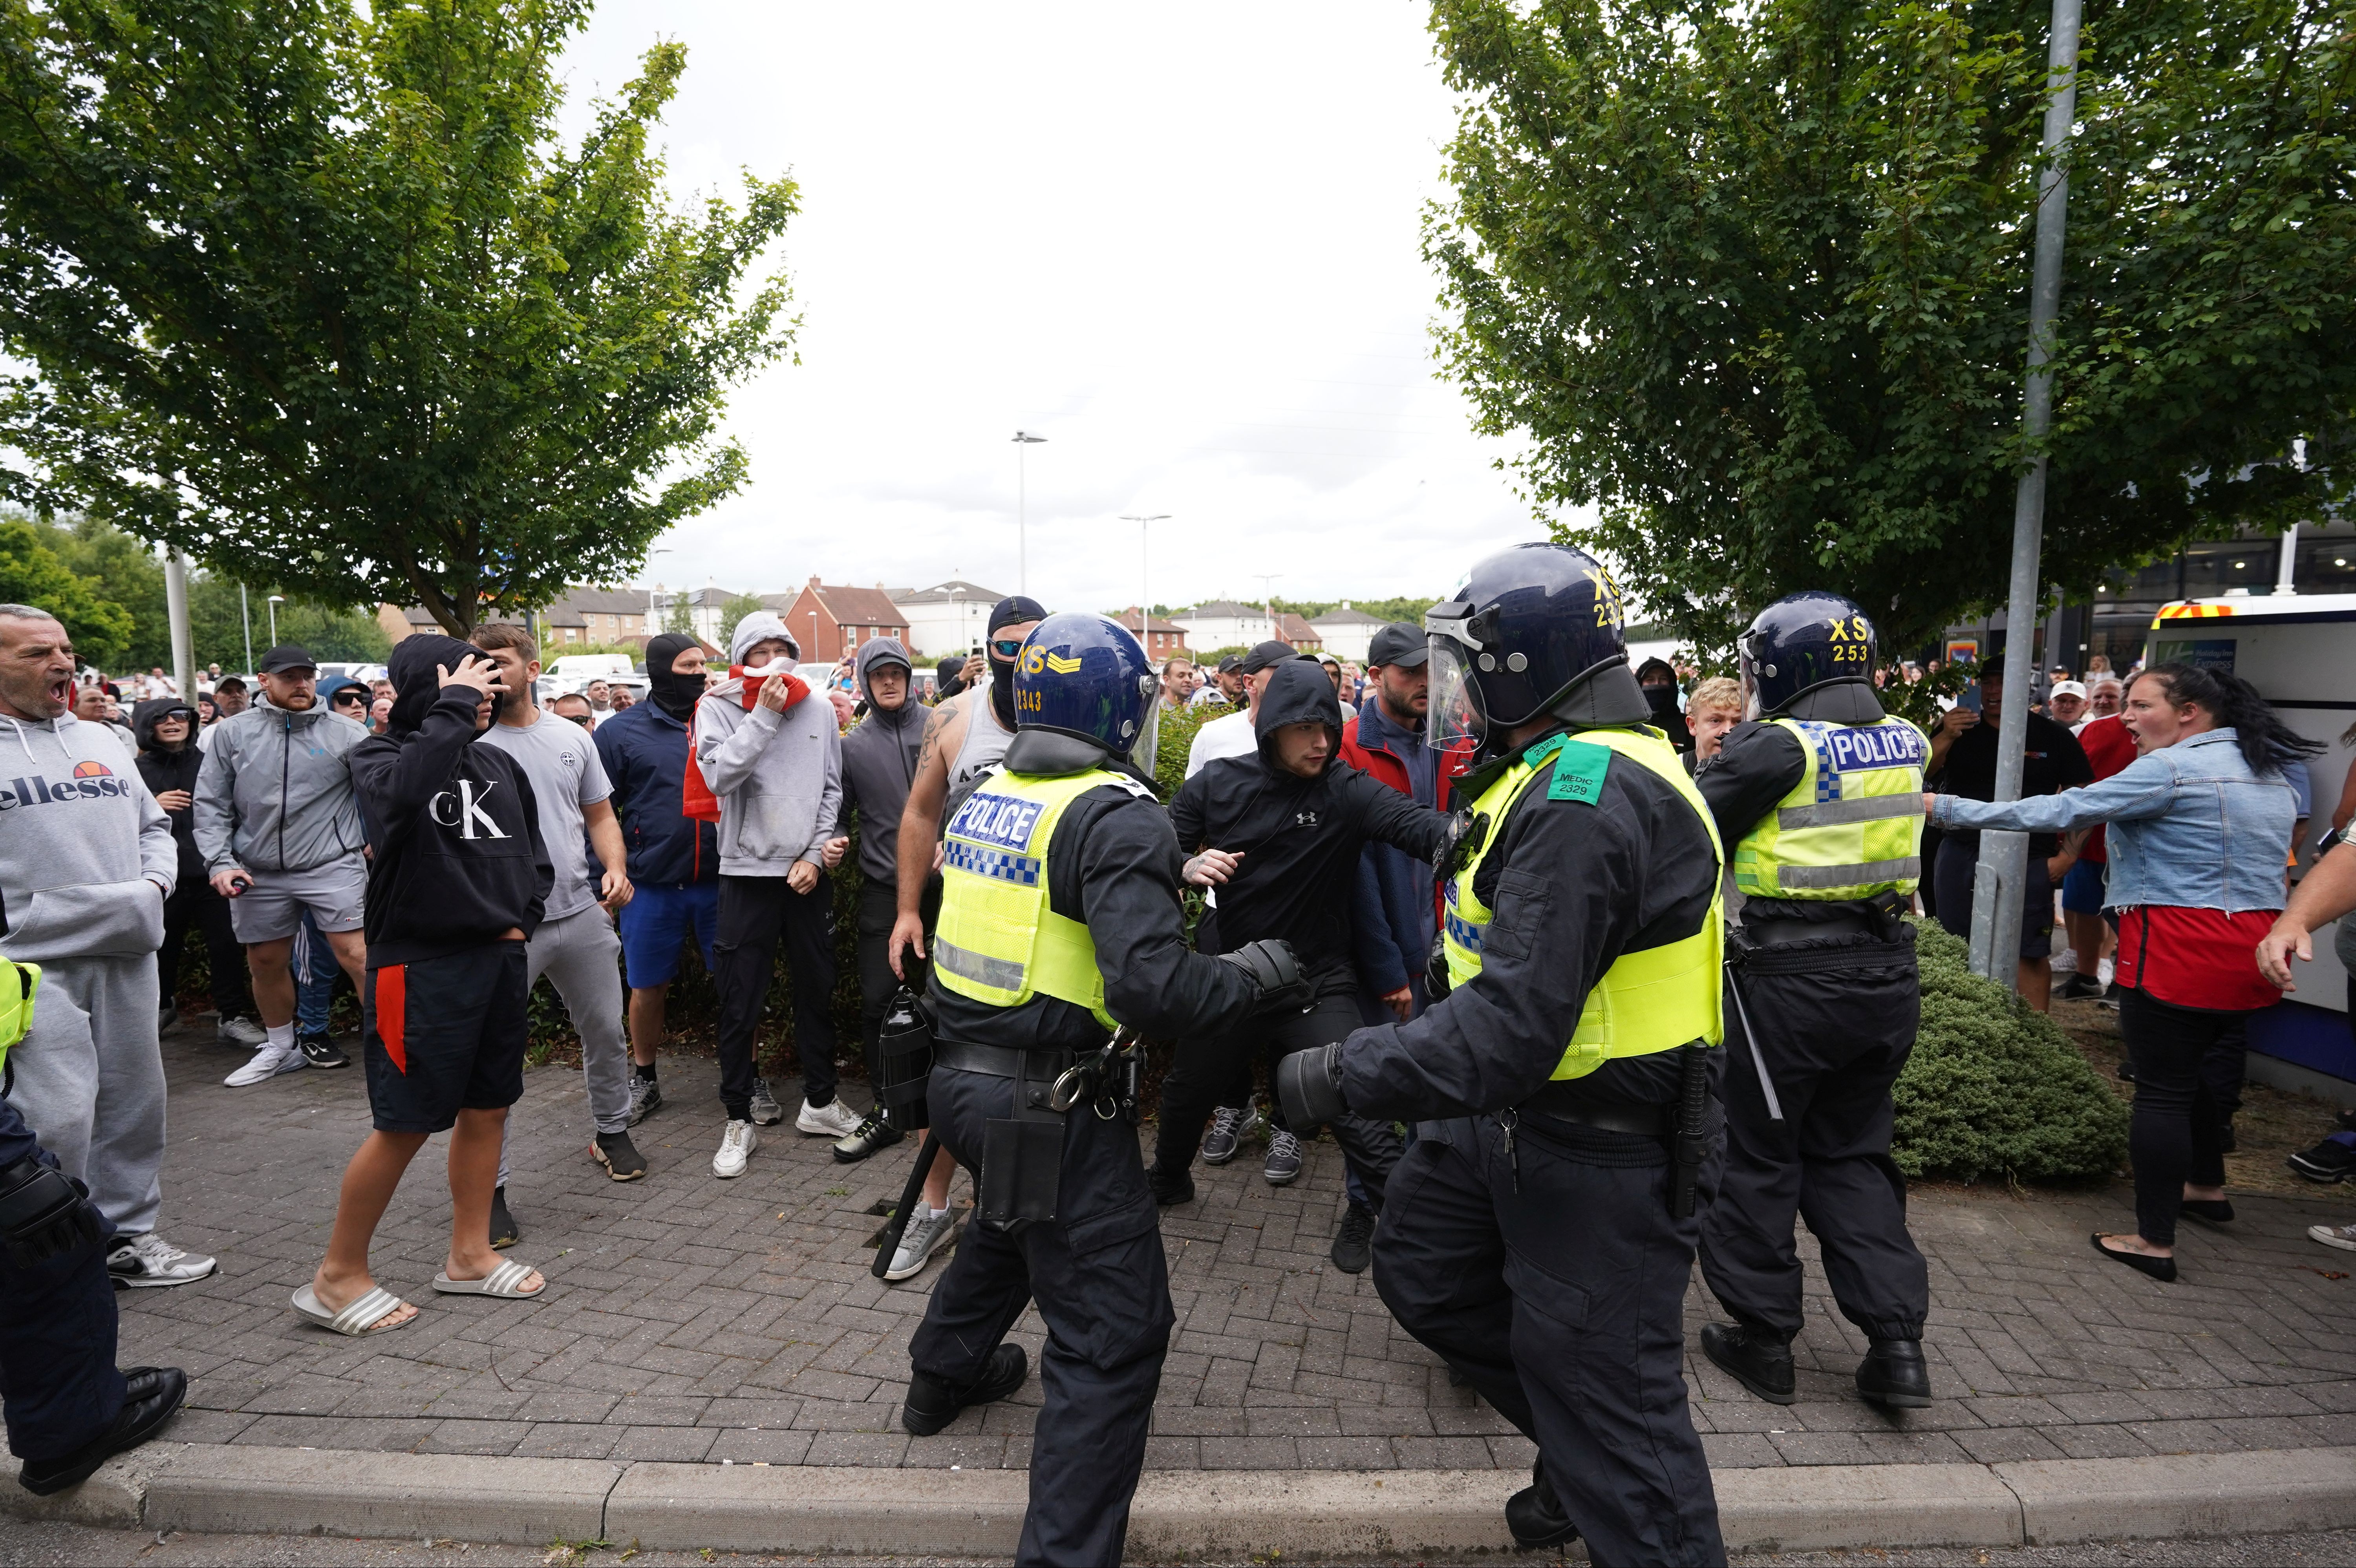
<point x="1306" y="1513"/>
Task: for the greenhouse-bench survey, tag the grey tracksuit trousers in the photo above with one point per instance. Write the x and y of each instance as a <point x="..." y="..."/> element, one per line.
<point x="580" y="956"/>
<point x="89" y="1080"/>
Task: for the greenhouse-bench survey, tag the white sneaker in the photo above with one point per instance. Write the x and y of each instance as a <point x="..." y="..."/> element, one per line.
<point x="2066" y="962"/>
<point x="148" y="1261"/>
<point x="926" y="1231"/>
<point x="268" y="1063"/>
<point x="242" y="1031"/>
<point x="2340" y="1236"/>
<point x="832" y="1120"/>
<point x="736" y="1148"/>
<point x="2105" y="970"/>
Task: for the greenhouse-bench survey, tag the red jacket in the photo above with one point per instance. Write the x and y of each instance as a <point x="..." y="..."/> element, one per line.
<point x="1380" y="762"/>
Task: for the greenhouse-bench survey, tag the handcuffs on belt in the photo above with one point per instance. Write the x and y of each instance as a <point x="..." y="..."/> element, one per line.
<point x="1107" y="1079"/>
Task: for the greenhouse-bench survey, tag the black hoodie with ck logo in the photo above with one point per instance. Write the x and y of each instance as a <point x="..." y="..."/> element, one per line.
<point x="454" y="833"/>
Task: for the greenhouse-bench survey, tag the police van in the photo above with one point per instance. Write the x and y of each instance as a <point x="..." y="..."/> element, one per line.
<point x="2299" y="650"/>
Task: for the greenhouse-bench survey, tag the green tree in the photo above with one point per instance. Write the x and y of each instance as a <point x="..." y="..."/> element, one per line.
<point x="679" y="615"/>
<point x="31" y="573"/>
<point x="737" y="607"/>
<point x="1752" y="279"/>
<point x="310" y="289"/>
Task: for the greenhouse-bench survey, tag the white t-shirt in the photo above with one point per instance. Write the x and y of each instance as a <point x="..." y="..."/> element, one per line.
<point x="558" y="757"/>
<point x="1232" y="736"/>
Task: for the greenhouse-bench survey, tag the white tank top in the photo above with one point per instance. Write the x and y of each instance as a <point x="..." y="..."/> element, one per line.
<point x="984" y="748"/>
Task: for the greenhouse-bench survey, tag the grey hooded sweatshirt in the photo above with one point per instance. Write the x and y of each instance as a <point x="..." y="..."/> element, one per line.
<point x="779" y="775"/>
<point x="275" y="793"/>
<point x="878" y="763"/>
<point x="86" y="855"/>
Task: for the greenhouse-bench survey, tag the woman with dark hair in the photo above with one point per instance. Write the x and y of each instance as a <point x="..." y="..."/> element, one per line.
<point x="2199" y="833"/>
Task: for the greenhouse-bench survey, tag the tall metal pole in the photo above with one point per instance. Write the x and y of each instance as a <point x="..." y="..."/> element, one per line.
<point x="1144" y="522"/>
<point x="1022" y="438"/>
<point x="2004" y="856"/>
<point x="245" y="616"/>
<point x="175" y="612"/>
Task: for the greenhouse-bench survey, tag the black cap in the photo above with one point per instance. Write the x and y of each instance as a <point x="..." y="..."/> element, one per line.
<point x="1232" y="665"/>
<point x="1269" y="654"/>
<point x="1400" y="644"/>
<point x="286" y="656"/>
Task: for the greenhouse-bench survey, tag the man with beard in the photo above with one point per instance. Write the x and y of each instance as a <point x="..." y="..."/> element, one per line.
<point x="965" y="738"/>
<point x="674" y="858"/>
<point x="575" y="946"/>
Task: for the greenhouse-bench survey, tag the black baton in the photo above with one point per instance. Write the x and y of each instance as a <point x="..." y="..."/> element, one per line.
<point x="897" y="1226"/>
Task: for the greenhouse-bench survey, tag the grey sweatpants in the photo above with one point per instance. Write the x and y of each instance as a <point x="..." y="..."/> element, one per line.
<point x="89" y="1080"/>
<point x="581" y="958"/>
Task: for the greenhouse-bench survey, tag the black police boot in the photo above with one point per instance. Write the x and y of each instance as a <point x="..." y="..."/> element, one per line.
<point x="1169" y="1187"/>
<point x="934" y="1402"/>
<point x="1892" y="1374"/>
<point x="1754" y="1358"/>
<point x="150" y="1396"/>
<point x="1536" y="1516"/>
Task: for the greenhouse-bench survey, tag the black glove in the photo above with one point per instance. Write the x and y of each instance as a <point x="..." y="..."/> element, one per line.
<point x="1284" y="989"/>
<point x="1436" y="983"/>
<point x="45" y="1214"/>
<point x="1308" y="1082"/>
<point x="1466" y="833"/>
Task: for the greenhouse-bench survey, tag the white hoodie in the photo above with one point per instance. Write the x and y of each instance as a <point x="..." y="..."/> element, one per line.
<point x="86" y="855"/>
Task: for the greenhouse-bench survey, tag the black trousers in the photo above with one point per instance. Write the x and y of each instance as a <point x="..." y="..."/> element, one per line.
<point x="2187" y="1067"/>
<point x="193" y="904"/>
<point x="1207" y="1066"/>
<point x="58" y="1380"/>
<point x="1555" y="1279"/>
<point x="754" y="913"/>
<point x="1834" y="1041"/>
<point x="879" y="909"/>
<point x="1104" y="1293"/>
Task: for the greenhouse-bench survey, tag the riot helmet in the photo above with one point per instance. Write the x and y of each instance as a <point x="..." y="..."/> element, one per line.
<point x="1799" y="643"/>
<point x="1082" y="676"/>
<point x="1533" y="632"/>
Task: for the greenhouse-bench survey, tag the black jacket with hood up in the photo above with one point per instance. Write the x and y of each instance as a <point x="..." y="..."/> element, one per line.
<point x="453" y="828"/>
<point x="1300" y="838"/>
<point x="163" y="771"/>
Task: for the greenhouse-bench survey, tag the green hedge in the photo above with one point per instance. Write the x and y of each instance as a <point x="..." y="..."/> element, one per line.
<point x="1995" y="1087"/>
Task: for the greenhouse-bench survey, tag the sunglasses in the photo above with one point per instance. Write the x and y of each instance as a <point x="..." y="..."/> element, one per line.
<point x="1006" y="647"/>
<point x="580" y="718"/>
<point x="351" y="699"/>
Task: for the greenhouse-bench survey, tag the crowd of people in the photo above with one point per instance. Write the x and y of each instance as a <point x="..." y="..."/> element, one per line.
<point x="1393" y="920"/>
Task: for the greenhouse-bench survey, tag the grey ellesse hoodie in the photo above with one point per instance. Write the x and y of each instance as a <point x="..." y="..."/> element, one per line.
<point x="86" y="855"/>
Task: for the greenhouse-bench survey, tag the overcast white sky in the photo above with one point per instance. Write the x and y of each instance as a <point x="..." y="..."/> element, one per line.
<point x="1179" y="243"/>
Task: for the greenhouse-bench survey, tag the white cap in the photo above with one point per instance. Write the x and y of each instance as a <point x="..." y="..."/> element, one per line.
<point x="2067" y="688"/>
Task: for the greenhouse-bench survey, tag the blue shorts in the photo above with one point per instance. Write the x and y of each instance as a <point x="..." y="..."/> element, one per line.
<point x="2082" y="888"/>
<point x="657" y="920"/>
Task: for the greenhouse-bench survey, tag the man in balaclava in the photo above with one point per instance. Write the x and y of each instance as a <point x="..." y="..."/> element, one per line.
<point x="964" y="739"/>
<point x="674" y="858"/>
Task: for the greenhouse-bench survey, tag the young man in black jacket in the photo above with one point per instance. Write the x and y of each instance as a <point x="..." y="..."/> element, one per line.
<point x="457" y="883"/>
<point x="1279" y="833"/>
<point x="168" y="760"/>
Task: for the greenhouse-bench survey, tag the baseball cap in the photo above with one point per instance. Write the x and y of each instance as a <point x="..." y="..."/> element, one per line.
<point x="2068" y="689"/>
<point x="1268" y="656"/>
<point x="286" y="656"/>
<point x="1232" y="665"/>
<point x="1400" y="644"/>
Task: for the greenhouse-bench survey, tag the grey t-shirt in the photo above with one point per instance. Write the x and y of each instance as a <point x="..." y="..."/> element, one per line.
<point x="561" y="761"/>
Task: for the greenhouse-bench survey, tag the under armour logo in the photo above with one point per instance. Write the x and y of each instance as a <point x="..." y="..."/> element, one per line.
<point x="1305" y="820"/>
<point x="466" y="809"/>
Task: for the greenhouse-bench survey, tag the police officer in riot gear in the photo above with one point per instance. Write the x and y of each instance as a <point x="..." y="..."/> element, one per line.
<point x="1820" y="799"/>
<point x="1060" y="919"/>
<point x="1540" y="1233"/>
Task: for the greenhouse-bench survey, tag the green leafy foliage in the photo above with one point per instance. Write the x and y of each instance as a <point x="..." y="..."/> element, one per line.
<point x="1753" y="278"/>
<point x="32" y="573"/>
<point x="309" y="289"/>
<point x="1178" y="729"/>
<point x="1994" y="1088"/>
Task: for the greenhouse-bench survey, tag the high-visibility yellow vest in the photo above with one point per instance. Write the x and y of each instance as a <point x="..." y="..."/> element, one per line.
<point x="997" y="942"/>
<point x="1652" y="1000"/>
<point x="19" y="983"/>
<point x="1852" y="827"/>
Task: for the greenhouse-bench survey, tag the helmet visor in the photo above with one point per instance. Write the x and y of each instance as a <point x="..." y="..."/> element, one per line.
<point x="1149" y="739"/>
<point x="1453" y="718"/>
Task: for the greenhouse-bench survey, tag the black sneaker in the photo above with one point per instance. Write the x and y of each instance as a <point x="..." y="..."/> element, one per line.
<point x="1353" y="1242"/>
<point x="505" y="1231"/>
<point x="1169" y="1190"/>
<point x="1761" y="1364"/>
<point x="150" y="1396"/>
<point x="2078" y="987"/>
<point x="320" y="1051"/>
<point x="873" y="1135"/>
<point x="616" y="1153"/>
<point x="933" y="1403"/>
<point x="1221" y="1139"/>
<point x="1283" y="1166"/>
<point x="645" y="1098"/>
<point x="1536" y="1516"/>
<point x="2330" y="1160"/>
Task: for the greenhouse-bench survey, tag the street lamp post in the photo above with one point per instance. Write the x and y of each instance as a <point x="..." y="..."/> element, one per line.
<point x="1022" y="438"/>
<point x="245" y="616"/>
<point x="1267" y="598"/>
<point x="1144" y="522"/>
<point x="275" y="601"/>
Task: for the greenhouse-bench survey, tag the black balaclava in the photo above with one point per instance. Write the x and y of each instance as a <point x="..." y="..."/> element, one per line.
<point x="674" y="694"/>
<point x="415" y="669"/>
<point x="1011" y="611"/>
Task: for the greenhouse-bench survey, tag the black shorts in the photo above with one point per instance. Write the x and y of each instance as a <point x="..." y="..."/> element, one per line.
<point x="443" y="1035"/>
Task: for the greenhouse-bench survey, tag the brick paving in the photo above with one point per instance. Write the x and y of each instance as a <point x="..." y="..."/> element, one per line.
<point x="694" y="1319"/>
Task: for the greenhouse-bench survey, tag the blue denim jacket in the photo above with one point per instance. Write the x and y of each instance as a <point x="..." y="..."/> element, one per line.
<point x="2191" y="826"/>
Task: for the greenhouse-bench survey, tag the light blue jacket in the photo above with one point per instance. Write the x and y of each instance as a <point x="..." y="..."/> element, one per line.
<point x="2191" y="826"/>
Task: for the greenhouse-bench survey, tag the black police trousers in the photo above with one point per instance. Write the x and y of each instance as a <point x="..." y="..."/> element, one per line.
<point x="1835" y="1031"/>
<point x="59" y="1384"/>
<point x="1103" y="1291"/>
<point x="1554" y="1279"/>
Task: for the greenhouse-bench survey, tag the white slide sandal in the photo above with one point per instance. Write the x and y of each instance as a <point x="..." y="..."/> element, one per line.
<point x="503" y="1282"/>
<point x="364" y="1316"/>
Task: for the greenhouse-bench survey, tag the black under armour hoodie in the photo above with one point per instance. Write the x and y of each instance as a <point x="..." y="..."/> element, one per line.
<point x="456" y="857"/>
